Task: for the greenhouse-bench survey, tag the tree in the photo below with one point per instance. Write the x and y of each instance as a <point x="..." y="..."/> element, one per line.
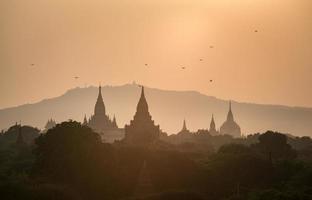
<point x="9" y="137"/>
<point x="50" y="124"/>
<point x="71" y="153"/>
<point x="274" y="146"/>
<point x="235" y="149"/>
<point x="233" y="171"/>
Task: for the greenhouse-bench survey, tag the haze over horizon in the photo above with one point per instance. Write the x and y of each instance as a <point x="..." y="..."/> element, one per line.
<point x="253" y="51"/>
<point x="137" y="83"/>
<point x="167" y="108"/>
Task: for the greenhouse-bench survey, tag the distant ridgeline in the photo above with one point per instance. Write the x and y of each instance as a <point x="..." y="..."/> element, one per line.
<point x="142" y="129"/>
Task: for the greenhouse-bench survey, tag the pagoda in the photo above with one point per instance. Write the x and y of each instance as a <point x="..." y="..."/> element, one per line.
<point x="141" y="130"/>
<point x="212" y="129"/>
<point x="101" y="123"/>
<point x="230" y="127"/>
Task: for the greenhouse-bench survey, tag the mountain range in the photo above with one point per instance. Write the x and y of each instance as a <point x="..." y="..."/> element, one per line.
<point x="168" y="109"/>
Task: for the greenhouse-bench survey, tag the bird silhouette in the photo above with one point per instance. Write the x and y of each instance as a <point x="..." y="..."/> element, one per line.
<point x="210" y="80"/>
<point x="201" y="59"/>
<point x="256" y="31"/>
<point x="76" y="77"/>
<point x="182" y="67"/>
<point x="146" y="64"/>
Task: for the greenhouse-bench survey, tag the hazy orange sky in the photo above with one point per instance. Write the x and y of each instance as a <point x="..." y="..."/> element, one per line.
<point x="110" y="41"/>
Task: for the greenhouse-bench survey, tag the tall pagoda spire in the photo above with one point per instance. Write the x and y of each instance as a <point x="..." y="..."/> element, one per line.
<point x="212" y="124"/>
<point x="115" y="122"/>
<point x="85" y="121"/>
<point x="99" y="106"/>
<point x="230" y="114"/>
<point x="142" y="107"/>
<point x="212" y="129"/>
<point x="184" y="130"/>
<point x="141" y="130"/>
<point x="184" y="126"/>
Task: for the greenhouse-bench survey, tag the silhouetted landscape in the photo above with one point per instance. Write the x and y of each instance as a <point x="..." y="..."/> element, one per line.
<point x="155" y="100"/>
<point x="73" y="160"/>
<point x="166" y="108"/>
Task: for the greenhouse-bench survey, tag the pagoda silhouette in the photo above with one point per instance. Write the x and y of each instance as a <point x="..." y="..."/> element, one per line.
<point x="141" y="130"/>
<point x="101" y="123"/>
<point x="230" y="127"/>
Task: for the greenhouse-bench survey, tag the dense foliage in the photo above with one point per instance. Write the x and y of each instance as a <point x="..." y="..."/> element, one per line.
<point x="71" y="162"/>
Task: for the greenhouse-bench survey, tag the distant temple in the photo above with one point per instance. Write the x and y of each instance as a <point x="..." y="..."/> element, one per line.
<point x="102" y="124"/>
<point x="50" y="124"/>
<point x="212" y="129"/>
<point x="141" y="130"/>
<point x="184" y="130"/>
<point x="184" y="135"/>
<point x="230" y="127"/>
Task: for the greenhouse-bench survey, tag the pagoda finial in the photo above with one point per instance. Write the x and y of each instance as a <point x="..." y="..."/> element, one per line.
<point x="230" y="105"/>
<point x="184" y="126"/>
<point x="142" y="91"/>
<point x="99" y="106"/>
<point x="212" y="124"/>
<point x="142" y="106"/>
<point x="230" y="114"/>
<point x="115" y="122"/>
<point x="85" y="122"/>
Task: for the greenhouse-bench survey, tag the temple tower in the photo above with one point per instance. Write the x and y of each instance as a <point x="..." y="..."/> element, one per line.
<point x="141" y="130"/>
<point x="184" y="130"/>
<point x="212" y="129"/>
<point x="230" y="127"/>
<point x="100" y="122"/>
<point x="99" y="108"/>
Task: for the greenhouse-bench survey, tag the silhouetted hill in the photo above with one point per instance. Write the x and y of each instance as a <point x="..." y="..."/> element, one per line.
<point x="168" y="109"/>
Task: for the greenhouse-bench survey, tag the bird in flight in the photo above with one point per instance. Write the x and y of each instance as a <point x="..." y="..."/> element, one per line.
<point x="210" y="80"/>
<point x="182" y="67"/>
<point x="31" y="66"/>
<point x="76" y="77"/>
<point x="201" y="59"/>
<point x="211" y="47"/>
<point x="256" y="31"/>
<point x="146" y="64"/>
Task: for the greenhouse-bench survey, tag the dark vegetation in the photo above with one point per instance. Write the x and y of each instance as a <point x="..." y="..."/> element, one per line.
<point x="71" y="162"/>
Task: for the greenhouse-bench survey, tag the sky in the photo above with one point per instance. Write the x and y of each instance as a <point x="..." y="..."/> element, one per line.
<point x="256" y="51"/>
